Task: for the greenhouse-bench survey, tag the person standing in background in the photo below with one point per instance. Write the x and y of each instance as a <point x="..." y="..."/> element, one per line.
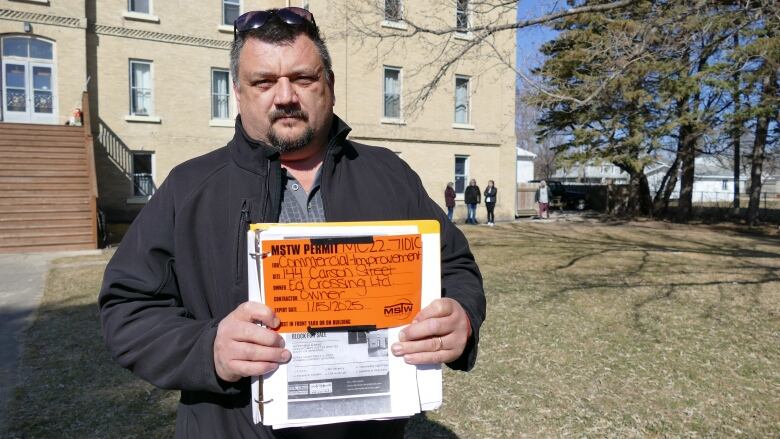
<point x="543" y="198"/>
<point x="472" y="197"/>
<point x="490" y="202"/>
<point x="449" y="199"/>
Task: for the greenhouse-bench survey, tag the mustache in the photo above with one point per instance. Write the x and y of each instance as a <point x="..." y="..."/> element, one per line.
<point x="296" y="114"/>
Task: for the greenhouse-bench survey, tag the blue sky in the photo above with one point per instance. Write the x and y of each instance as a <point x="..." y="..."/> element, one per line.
<point x="531" y="38"/>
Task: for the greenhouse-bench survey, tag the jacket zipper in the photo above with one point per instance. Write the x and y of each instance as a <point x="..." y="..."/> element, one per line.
<point x="241" y="239"/>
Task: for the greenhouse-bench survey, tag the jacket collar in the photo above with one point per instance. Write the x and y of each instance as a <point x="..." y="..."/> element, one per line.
<point x="254" y="155"/>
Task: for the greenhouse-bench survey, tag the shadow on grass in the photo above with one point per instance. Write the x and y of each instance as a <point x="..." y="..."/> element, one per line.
<point x="70" y="387"/>
<point x="420" y="427"/>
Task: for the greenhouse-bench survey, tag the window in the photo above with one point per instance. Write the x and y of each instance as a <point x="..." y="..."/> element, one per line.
<point x="462" y="15"/>
<point x="141" y="88"/>
<point x="462" y="98"/>
<point x="140" y="6"/>
<point x="231" y="9"/>
<point x="220" y="94"/>
<point x="393" y="11"/>
<point x="461" y="173"/>
<point x="143" y="183"/>
<point x="392" y="93"/>
<point x="724" y="185"/>
<point x="26" y="47"/>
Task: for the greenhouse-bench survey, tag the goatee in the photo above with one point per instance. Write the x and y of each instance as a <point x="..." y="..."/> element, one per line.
<point x="294" y="144"/>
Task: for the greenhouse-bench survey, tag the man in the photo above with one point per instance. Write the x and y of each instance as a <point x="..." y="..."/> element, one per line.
<point x="173" y="302"/>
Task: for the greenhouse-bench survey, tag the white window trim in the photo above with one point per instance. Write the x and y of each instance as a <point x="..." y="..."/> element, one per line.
<point x="143" y="119"/>
<point x="393" y="120"/>
<point x="460" y="125"/>
<point x="463" y="126"/>
<point x="222" y="23"/>
<point x="460" y="195"/>
<point x="400" y="24"/>
<point x="140" y="16"/>
<point x="37" y="2"/>
<point x="230" y="120"/>
<point x="151" y="117"/>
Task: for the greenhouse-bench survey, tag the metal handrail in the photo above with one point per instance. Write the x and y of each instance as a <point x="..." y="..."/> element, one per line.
<point x="122" y="156"/>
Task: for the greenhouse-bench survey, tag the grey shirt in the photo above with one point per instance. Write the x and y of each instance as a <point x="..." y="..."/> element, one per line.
<point x="297" y="205"/>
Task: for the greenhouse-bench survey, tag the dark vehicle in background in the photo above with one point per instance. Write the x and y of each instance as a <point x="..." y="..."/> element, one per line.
<point x="565" y="196"/>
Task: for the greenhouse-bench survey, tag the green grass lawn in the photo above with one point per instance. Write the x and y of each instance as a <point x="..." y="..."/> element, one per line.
<point x="638" y="329"/>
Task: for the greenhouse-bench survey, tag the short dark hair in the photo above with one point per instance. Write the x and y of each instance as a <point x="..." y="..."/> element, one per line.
<point x="276" y="31"/>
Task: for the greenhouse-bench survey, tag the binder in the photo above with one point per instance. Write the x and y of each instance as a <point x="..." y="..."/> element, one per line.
<point x="336" y="240"/>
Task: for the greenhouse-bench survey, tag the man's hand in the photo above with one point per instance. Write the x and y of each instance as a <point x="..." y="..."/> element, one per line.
<point x="437" y="335"/>
<point x="242" y="348"/>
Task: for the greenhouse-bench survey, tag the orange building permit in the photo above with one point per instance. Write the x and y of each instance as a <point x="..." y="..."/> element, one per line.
<point x="343" y="281"/>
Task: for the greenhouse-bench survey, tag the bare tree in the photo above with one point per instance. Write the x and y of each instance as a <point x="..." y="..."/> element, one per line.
<point x="526" y="130"/>
<point x="449" y="39"/>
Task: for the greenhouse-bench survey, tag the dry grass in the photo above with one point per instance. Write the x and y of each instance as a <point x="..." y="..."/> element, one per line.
<point x="593" y="330"/>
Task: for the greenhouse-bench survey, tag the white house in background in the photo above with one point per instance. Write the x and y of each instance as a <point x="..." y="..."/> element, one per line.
<point x="594" y="172"/>
<point x="713" y="180"/>
<point x="525" y="165"/>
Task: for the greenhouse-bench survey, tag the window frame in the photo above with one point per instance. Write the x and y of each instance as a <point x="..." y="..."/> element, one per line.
<point x="150" y="111"/>
<point x="240" y="4"/>
<point x="385" y="117"/>
<point x="149" y="12"/>
<point x="465" y="13"/>
<point x="455" y="122"/>
<point x="229" y="95"/>
<point x="400" y="12"/>
<point x="466" y="161"/>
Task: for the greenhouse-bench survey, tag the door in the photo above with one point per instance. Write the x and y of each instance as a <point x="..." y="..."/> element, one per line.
<point x="16" y="106"/>
<point x="41" y="93"/>
<point x="28" y="74"/>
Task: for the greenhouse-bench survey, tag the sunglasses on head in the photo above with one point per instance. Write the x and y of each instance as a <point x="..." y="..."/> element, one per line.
<point x="257" y="19"/>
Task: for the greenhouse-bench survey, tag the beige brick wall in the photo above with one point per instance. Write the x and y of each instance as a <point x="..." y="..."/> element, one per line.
<point x="181" y="77"/>
<point x="69" y="45"/>
<point x="427" y="140"/>
<point x="66" y="8"/>
<point x="182" y="86"/>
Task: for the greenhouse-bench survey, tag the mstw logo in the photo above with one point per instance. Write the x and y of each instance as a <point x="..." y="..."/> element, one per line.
<point x="400" y="310"/>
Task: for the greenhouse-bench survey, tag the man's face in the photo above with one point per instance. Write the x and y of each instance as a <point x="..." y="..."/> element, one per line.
<point x="283" y="95"/>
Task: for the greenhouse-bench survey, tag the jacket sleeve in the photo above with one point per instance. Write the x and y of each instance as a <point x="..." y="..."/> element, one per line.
<point x="145" y="325"/>
<point x="461" y="279"/>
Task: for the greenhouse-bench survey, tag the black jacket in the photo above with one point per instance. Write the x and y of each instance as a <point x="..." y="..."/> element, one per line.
<point x="472" y="195"/>
<point x="181" y="267"/>
<point x="490" y="194"/>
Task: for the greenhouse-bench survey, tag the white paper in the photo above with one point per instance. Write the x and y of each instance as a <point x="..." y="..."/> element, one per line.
<point x="345" y="376"/>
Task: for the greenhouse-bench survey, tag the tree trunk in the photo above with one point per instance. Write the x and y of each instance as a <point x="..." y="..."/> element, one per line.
<point x="661" y="199"/>
<point x="759" y="146"/>
<point x="640" y="202"/>
<point x="736" y="133"/>
<point x="687" y="155"/>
